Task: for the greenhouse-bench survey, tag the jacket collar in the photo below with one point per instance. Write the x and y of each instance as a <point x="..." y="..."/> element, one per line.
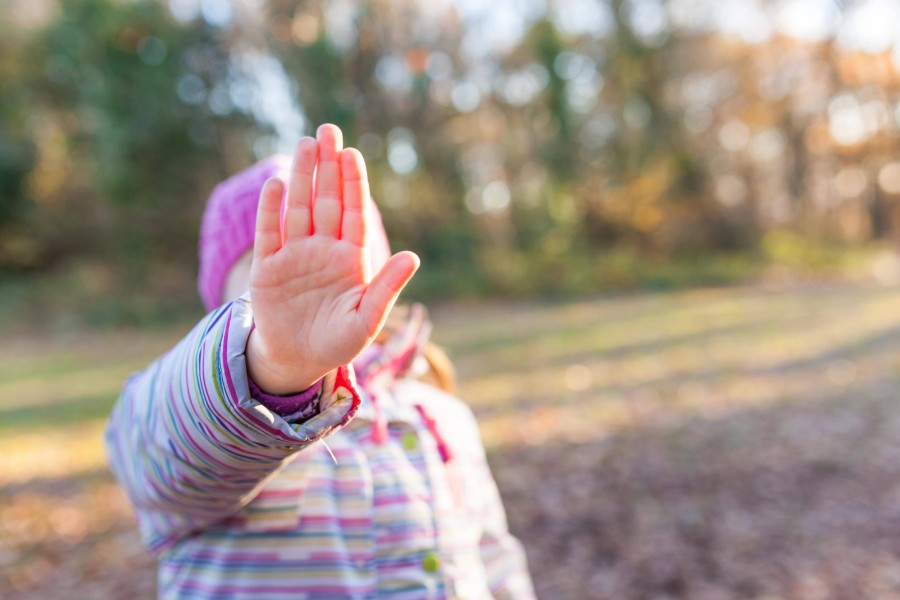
<point x="382" y="365"/>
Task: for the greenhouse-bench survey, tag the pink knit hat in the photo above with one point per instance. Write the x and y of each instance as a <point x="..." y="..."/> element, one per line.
<point x="229" y="223"/>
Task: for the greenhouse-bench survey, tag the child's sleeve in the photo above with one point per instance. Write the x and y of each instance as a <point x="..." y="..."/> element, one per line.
<point x="188" y="442"/>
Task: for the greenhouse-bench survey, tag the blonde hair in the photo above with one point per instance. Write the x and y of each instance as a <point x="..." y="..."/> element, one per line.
<point x="441" y="372"/>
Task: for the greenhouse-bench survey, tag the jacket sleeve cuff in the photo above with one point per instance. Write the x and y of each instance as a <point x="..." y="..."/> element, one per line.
<point x="338" y="399"/>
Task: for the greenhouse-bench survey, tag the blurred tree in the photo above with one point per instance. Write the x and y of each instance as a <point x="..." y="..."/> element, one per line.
<point x="17" y="151"/>
<point x="121" y="108"/>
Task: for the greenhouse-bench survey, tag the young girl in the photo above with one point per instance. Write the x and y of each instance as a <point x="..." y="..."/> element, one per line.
<point x="258" y="464"/>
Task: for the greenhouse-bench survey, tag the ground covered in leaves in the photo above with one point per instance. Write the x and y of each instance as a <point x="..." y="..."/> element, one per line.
<point x="715" y="444"/>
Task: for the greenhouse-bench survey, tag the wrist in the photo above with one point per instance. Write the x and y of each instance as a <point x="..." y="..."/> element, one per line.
<point x="274" y="377"/>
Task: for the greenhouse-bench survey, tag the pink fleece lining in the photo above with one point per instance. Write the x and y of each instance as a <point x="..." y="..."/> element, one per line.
<point x="293" y="407"/>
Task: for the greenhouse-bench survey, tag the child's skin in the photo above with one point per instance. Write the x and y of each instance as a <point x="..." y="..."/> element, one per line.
<point x="315" y="305"/>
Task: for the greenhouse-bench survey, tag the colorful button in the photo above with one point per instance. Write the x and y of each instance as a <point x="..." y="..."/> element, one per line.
<point x="410" y="440"/>
<point x="431" y="562"/>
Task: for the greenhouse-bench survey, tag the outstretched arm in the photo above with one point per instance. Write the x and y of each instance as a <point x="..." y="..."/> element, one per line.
<point x="186" y="439"/>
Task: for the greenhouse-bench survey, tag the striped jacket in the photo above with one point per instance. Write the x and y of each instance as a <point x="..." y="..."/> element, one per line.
<point x="239" y="503"/>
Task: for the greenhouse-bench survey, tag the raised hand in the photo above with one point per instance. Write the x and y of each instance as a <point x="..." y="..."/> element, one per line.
<point x="315" y="305"/>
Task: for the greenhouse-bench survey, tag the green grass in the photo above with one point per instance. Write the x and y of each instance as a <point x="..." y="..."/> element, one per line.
<point x="85" y="294"/>
<point x="71" y="413"/>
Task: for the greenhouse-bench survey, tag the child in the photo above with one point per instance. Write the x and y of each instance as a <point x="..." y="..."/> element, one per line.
<point x="259" y="467"/>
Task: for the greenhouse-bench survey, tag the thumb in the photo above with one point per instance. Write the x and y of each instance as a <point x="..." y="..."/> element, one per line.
<point x="382" y="292"/>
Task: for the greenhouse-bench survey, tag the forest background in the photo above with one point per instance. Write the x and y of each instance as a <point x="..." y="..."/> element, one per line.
<point x="522" y="148"/>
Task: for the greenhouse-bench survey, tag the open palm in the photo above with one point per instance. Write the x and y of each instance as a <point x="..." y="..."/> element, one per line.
<point x="315" y="305"/>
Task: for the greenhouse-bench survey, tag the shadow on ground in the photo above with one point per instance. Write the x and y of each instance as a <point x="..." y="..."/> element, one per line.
<point x="796" y="501"/>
